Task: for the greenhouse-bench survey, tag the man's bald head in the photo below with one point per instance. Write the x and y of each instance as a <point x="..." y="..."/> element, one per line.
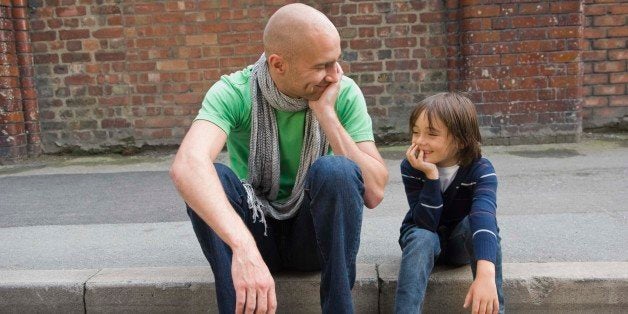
<point x="294" y="27"/>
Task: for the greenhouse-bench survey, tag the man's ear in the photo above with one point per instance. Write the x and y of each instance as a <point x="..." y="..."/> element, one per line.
<point x="277" y="63"/>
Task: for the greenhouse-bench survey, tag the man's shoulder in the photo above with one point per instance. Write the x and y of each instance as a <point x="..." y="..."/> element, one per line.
<point x="239" y="79"/>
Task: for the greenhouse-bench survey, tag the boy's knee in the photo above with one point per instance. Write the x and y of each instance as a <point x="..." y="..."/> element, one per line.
<point x="419" y="238"/>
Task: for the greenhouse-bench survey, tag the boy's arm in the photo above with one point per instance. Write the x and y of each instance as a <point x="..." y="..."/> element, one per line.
<point x="482" y="295"/>
<point x="424" y="197"/>
<point x="482" y="218"/>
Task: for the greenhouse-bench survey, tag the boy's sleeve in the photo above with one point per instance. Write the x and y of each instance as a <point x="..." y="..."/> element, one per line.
<point x="424" y="197"/>
<point x="482" y="219"/>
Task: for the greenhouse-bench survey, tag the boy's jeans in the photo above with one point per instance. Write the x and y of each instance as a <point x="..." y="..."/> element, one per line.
<point x="324" y="234"/>
<point x="421" y="249"/>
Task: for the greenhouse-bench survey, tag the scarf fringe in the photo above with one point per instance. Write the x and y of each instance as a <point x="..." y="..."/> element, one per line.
<point x="255" y="206"/>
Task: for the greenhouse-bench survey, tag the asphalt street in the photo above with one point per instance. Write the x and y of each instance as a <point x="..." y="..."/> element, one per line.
<point x="556" y="203"/>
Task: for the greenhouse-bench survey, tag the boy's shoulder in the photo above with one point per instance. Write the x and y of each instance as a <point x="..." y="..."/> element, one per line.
<point x="482" y="167"/>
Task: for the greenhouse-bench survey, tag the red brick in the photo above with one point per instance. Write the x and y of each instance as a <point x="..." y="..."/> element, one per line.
<point x="593" y="79"/>
<point x="482" y="61"/>
<point x="595" y="101"/>
<point x="400" y="42"/>
<point x="533" y="8"/>
<point x="523" y="21"/>
<point x="108" y="33"/>
<point x="406" y="65"/>
<point x="619" y="78"/>
<point x="486" y="85"/>
<point x="149" y="8"/>
<point x="227" y="39"/>
<point x="601" y="90"/>
<point x="566" y="7"/>
<point x="594" y="9"/>
<point x="365" y="66"/>
<point x="610" y="66"/>
<point x="533" y="34"/>
<point x="110" y="56"/>
<point x="591" y="32"/>
<point x="609" y="20"/>
<point x="365" y="20"/>
<point x="73" y="34"/>
<point x="619" y="100"/>
<point x="371" y="43"/>
<point x="46" y="58"/>
<point x="619" y="9"/>
<point x="201" y="40"/>
<point x="565" y="32"/>
<point x="75" y="57"/>
<point x="618" y="31"/>
<point x="70" y="11"/>
<point x="432" y="17"/>
<point x="609" y="43"/>
<point x="567" y="56"/>
<point x="79" y="79"/>
<point x="481" y="11"/>
<point x="564" y="81"/>
<point x="400" y="18"/>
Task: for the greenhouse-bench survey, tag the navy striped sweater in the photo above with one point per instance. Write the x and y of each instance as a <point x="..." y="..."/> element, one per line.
<point x="471" y="193"/>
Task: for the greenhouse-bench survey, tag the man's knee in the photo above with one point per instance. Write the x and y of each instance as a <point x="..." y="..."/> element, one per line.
<point x="333" y="172"/>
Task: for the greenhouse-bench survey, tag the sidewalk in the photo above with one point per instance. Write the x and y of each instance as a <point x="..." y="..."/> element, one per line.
<point x="110" y="234"/>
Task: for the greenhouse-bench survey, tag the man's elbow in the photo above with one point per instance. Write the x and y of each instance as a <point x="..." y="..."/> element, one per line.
<point x="371" y="200"/>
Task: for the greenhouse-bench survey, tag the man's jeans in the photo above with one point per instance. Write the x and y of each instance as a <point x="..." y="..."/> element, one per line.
<point x="324" y="234"/>
<point x="421" y="249"/>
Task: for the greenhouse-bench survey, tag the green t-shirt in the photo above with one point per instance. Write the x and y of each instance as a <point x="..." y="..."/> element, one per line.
<point x="228" y="105"/>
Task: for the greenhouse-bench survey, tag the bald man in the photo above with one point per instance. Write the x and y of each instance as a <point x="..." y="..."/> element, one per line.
<point x="303" y="165"/>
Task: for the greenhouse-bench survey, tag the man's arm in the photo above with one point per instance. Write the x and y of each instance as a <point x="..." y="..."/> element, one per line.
<point x="364" y="154"/>
<point x="195" y="178"/>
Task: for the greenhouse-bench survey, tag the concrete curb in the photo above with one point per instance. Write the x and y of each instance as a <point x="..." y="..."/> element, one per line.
<point x="529" y="287"/>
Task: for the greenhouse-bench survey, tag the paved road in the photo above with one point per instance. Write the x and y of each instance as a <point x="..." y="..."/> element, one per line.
<point x="556" y="203"/>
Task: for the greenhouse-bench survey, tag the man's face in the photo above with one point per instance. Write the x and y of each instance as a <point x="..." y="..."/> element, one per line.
<point x="311" y="69"/>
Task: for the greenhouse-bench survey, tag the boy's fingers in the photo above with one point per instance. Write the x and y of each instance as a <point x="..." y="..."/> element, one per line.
<point x="495" y="306"/>
<point x="467" y="299"/>
<point x="476" y="306"/>
<point x="483" y="306"/>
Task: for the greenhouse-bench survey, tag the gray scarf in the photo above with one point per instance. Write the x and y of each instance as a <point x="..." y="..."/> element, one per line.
<point x="262" y="185"/>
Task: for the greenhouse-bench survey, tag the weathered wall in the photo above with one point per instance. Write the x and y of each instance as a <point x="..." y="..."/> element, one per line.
<point x="605" y="75"/>
<point x="520" y="63"/>
<point x="118" y="73"/>
<point x="19" y="125"/>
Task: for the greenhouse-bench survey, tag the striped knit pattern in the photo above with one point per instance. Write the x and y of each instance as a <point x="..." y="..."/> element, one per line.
<point x="430" y="208"/>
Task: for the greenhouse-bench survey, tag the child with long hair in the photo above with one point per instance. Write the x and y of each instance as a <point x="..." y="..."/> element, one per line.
<point x="451" y="191"/>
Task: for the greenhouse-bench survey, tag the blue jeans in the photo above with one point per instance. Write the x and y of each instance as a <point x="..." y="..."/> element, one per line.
<point x="324" y="235"/>
<point x="422" y="249"/>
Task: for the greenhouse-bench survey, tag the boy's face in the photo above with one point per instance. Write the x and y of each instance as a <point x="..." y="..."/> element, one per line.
<point x="438" y="146"/>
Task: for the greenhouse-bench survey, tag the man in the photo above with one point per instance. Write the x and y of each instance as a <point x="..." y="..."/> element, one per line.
<point x="297" y="207"/>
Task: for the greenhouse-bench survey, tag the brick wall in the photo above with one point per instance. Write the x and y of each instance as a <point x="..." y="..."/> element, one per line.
<point x="520" y="63"/>
<point x="113" y="73"/>
<point x="605" y="75"/>
<point x="133" y="72"/>
<point x="19" y="125"/>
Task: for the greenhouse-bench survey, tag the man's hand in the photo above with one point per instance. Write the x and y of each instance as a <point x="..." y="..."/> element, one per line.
<point x="254" y="286"/>
<point x="416" y="158"/>
<point x="482" y="294"/>
<point x="329" y="96"/>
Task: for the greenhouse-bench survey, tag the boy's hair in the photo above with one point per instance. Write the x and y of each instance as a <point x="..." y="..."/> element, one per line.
<point x="459" y="116"/>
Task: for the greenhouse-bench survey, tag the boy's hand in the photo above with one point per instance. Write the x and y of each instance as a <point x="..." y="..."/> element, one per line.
<point x="482" y="295"/>
<point x="416" y="158"/>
